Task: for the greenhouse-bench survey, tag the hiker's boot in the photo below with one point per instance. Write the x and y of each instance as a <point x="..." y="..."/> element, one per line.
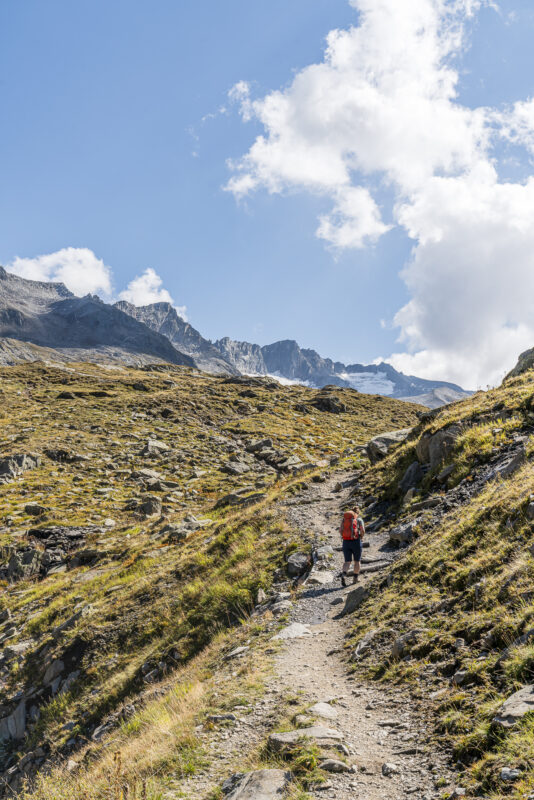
<point x="343" y="579"/>
<point x="356" y="577"/>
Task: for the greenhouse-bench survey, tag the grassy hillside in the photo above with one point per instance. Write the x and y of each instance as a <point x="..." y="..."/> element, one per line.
<point x="455" y="617"/>
<point x="132" y="550"/>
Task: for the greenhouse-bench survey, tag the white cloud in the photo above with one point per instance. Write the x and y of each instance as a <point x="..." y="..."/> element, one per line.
<point x="148" y="288"/>
<point x="383" y="103"/>
<point x="77" y="267"/>
<point x="355" y="220"/>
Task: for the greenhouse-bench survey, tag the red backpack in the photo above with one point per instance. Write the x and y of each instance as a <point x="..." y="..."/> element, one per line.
<point x="351" y="526"/>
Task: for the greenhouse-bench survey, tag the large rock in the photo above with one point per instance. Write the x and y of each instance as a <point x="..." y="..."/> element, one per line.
<point x="511" y="464"/>
<point x="297" y="564"/>
<point x="441" y="445"/>
<point x="330" y="404"/>
<point x="324" y="710"/>
<point x="321" y="736"/>
<point x="262" y="784"/>
<point x="320" y="577"/>
<point x="515" y="707"/>
<point x="422" y="447"/>
<point x="150" y="506"/>
<point x="379" y="446"/>
<point x="403" y="533"/>
<point x="14" y="726"/>
<point x="355" y="599"/>
<point x="294" y="631"/>
<point x="403" y="642"/>
<point x="412" y="477"/>
<point x="13" y="466"/>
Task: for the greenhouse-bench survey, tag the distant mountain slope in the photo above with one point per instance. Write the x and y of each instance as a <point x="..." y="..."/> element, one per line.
<point x="163" y="318"/>
<point x="287" y="360"/>
<point x="48" y="315"/>
<point x="437" y="397"/>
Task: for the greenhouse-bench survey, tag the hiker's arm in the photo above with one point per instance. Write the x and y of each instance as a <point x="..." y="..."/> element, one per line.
<point x="362" y="529"/>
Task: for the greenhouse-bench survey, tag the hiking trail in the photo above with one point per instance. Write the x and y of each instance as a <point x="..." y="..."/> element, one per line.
<point x="385" y="737"/>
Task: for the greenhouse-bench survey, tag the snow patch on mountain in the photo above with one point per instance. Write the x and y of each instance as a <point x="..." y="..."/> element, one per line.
<point x="369" y="382"/>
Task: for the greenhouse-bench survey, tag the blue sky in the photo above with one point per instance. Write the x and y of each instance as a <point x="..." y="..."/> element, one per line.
<point x="113" y="139"/>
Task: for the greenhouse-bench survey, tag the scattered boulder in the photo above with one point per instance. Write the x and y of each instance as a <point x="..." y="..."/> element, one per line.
<point x="445" y="473"/>
<point x="154" y="448"/>
<point x="441" y="445"/>
<point x="236" y="468"/>
<point x="388" y="770"/>
<point x="412" y="477"/>
<point x="294" y="631"/>
<point x="320" y="577"/>
<point x="510" y="775"/>
<point x="379" y="446"/>
<point x="515" y="707"/>
<point x="150" y="506"/>
<point x="329" y="403"/>
<point x="297" y="564"/>
<point x="403" y="534"/>
<point x="262" y="444"/>
<point x="322" y="737"/>
<point x="422" y="448"/>
<point x="262" y="784"/>
<point x="401" y="644"/>
<point x="35" y="509"/>
<point x="324" y="710"/>
<point x="354" y="600"/>
<point x="13" y="466"/>
<point x="238" y="651"/>
<point x="241" y="500"/>
<point x="14" y="726"/>
<point x="333" y="765"/>
<point x="54" y="669"/>
<point x="64" y="456"/>
<point x="507" y="468"/>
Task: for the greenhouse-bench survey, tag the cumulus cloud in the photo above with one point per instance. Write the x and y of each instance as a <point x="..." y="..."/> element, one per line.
<point x="383" y="104"/>
<point x="148" y="288"/>
<point x="77" y="267"/>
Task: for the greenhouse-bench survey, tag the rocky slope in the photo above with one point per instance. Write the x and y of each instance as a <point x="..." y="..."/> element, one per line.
<point x="48" y="315"/>
<point x="141" y="520"/>
<point x="170" y="613"/>
<point x="454" y="618"/>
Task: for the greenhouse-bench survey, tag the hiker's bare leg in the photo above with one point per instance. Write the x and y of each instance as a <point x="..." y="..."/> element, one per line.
<point x="356" y="567"/>
<point x="346" y="567"/>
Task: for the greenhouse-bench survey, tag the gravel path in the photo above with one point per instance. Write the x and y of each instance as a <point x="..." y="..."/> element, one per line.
<point x="378" y="724"/>
<point x="381" y="731"/>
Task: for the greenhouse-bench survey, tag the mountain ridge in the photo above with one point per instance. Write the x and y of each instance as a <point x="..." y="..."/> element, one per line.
<point x="48" y="315"/>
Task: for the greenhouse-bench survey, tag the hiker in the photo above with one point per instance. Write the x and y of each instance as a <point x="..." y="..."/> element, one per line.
<point x="352" y="532"/>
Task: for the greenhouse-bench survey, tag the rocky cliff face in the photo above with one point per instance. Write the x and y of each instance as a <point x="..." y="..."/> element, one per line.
<point x="286" y="359"/>
<point x="48" y="315"/>
<point x="163" y="318"/>
<point x="246" y="357"/>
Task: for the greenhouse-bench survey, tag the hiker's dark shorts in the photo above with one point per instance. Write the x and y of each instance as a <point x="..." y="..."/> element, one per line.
<point x="352" y="548"/>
